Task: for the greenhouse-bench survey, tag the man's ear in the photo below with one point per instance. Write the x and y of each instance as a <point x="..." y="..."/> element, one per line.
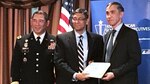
<point x="87" y="21"/>
<point x="121" y="14"/>
<point x="48" y="22"/>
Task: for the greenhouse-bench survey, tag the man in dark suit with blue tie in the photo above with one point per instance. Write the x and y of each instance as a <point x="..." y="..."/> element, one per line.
<point x="32" y="60"/>
<point x="125" y="54"/>
<point x="69" y="49"/>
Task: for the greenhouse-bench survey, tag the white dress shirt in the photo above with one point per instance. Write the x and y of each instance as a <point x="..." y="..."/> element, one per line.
<point x="41" y="36"/>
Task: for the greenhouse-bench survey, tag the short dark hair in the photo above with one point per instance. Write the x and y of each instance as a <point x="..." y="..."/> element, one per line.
<point x="119" y="6"/>
<point x="82" y="11"/>
<point x="42" y="13"/>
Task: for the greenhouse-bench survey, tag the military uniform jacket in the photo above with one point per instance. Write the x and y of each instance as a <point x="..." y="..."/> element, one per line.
<point x="32" y="63"/>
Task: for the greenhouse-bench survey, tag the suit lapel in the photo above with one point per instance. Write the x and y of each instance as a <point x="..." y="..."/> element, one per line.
<point x="47" y="40"/>
<point x="90" y="46"/>
<point x="32" y="40"/>
<point x="120" y="34"/>
<point x="72" y="42"/>
<point x="106" y="38"/>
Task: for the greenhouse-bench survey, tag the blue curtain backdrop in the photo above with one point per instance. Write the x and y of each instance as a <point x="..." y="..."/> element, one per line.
<point x="137" y="16"/>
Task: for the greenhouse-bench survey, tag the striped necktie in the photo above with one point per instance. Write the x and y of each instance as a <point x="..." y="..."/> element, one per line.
<point x="80" y="54"/>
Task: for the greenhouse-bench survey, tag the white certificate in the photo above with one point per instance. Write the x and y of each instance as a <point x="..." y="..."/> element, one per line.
<point x="96" y="69"/>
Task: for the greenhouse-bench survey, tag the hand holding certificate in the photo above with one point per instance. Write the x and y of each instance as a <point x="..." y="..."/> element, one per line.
<point x="96" y="69"/>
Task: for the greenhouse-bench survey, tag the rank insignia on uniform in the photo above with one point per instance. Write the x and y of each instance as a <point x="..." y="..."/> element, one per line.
<point x="25" y="48"/>
<point x="52" y="40"/>
<point x="19" y="37"/>
<point x="52" y="44"/>
<point x="26" y="41"/>
<point x="25" y="44"/>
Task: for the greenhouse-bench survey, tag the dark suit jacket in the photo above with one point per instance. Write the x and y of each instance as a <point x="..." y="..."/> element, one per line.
<point x="32" y="63"/>
<point x="126" y="56"/>
<point x="66" y="57"/>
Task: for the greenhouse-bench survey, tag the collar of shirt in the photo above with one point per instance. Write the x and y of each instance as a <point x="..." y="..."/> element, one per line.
<point x="118" y="28"/>
<point x="83" y="34"/>
<point x="117" y="31"/>
<point x="41" y="36"/>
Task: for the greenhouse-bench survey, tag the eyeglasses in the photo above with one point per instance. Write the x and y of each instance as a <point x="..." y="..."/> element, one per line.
<point x="40" y="21"/>
<point x="78" y="19"/>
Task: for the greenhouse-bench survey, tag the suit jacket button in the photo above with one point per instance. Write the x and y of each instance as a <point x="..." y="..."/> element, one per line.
<point x="37" y="59"/>
<point x="37" y="65"/>
<point x="37" y="71"/>
<point x="37" y="53"/>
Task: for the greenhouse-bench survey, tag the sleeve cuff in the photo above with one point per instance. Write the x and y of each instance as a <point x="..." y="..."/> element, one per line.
<point x="15" y="82"/>
<point x="74" y="77"/>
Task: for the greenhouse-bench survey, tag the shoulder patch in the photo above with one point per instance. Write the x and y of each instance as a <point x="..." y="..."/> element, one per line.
<point x="19" y="37"/>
